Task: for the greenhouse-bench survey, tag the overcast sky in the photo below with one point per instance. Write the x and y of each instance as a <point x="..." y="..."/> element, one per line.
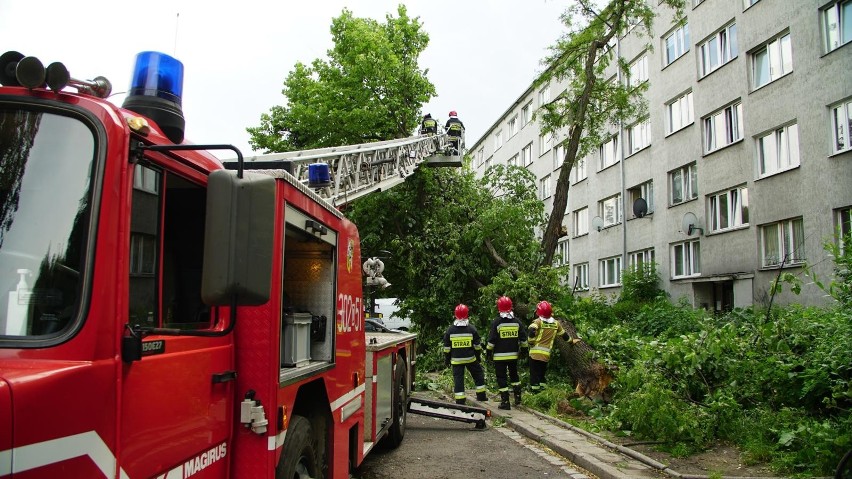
<point x="481" y="56"/>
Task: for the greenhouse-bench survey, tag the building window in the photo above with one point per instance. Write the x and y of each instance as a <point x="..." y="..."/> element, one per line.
<point x="729" y="209"/>
<point x="488" y="162"/>
<point x="718" y="50"/>
<point x="748" y="3"/>
<point x="544" y="95"/>
<point x="526" y="114"/>
<point x="844" y="224"/>
<point x="772" y="61"/>
<point x="544" y="188"/>
<point x="676" y="43"/>
<point x="639" y="136"/>
<point x="723" y="127"/>
<point x="610" y="271"/>
<point x="609" y="153"/>
<point x="526" y="155"/>
<point x="513" y="126"/>
<point x="686" y="259"/>
<point x="560" y="257"/>
<point x="578" y="173"/>
<point x="498" y="140"/>
<point x="841" y="124"/>
<point x="684" y="184"/>
<point x="581" y="222"/>
<point x="642" y="259"/>
<point x="836" y="22"/>
<point x="778" y="150"/>
<point x="783" y="242"/>
<point x="543" y="143"/>
<point x="679" y="113"/>
<point x="480" y="157"/>
<point x="581" y="276"/>
<point x="558" y="156"/>
<point x="610" y="210"/>
<point x="513" y="161"/>
<point x="644" y="191"/>
<point x="638" y="72"/>
<point x="146" y="179"/>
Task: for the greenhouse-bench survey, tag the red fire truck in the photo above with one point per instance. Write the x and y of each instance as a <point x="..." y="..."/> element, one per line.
<point x="165" y="317"/>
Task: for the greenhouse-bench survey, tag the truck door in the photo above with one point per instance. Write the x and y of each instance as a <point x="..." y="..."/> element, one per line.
<point x="176" y="402"/>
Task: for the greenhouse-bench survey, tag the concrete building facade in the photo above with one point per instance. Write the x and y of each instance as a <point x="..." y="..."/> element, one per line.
<point x="747" y="139"/>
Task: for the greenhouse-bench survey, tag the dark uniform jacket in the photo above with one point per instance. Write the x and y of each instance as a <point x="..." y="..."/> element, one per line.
<point x="506" y="337"/>
<point x="454" y="127"/>
<point x="462" y="343"/>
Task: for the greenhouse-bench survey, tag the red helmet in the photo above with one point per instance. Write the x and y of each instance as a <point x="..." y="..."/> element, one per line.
<point x="544" y="310"/>
<point x="461" y="312"/>
<point x="504" y="304"/>
<point x="453" y="113"/>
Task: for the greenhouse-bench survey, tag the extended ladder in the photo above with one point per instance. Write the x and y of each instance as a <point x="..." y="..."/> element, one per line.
<point x="358" y="170"/>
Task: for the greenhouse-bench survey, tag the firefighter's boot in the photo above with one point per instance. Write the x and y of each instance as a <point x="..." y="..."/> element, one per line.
<point x="504" y="400"/>
<point x="517" y="395"/>
<point x="481" y="396"/>
<point x="460" y="401"/>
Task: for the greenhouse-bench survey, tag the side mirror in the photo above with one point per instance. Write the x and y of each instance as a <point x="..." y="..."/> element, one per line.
<point x="238" y="239"/>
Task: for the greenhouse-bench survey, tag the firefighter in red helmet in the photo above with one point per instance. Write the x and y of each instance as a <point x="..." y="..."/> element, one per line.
<point x="462" y="349"/>
<point x="505" y="339"/>
<point x="455" y="132"/>
<point x="542" y="333"/>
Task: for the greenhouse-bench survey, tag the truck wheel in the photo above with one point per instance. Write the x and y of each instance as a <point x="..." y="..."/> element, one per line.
<point x="298" y="459"/>
<point x="400" y="409"/>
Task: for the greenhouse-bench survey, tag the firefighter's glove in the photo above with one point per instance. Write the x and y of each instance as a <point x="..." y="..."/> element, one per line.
<point x="447" y="359"/>
<point x="489" y="355"/>
<point x="531" y="333"/>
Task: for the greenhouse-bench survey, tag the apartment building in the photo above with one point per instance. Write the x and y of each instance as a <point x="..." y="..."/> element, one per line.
<point x="742" y="169"/>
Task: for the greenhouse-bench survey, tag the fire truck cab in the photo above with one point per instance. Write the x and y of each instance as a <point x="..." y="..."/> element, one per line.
<point x="165" y="317"/>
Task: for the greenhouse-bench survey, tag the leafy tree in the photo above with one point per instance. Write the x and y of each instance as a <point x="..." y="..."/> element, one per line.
<point x="589" y="104"/>
<point x="370" y="88"/>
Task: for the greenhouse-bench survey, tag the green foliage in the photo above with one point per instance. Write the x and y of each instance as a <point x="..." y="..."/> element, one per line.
<point x="370" y="88"/>
<point x="641" y="284"/>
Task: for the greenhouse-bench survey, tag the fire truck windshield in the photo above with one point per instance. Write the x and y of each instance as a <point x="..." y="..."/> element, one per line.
<point x="45" y="201"/>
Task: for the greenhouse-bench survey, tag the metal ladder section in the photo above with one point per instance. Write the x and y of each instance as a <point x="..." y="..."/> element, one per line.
<point x="445" y="410"/>
<point x="358" y="170"/>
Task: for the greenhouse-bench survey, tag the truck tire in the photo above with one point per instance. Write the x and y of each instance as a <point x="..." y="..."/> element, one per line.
<point x="400" y="407"/>
<point x="298" y="459"/>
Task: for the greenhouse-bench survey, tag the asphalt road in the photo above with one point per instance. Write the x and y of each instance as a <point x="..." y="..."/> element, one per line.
<point x="441" y="449"/>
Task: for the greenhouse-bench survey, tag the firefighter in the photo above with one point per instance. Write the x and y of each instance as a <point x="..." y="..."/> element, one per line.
<point x="429" y="126"/>
<point x="462" y="349"/>
<point x="505" y="339"/>
<point x="542" y="333"/>
<point x="455" y="131"/>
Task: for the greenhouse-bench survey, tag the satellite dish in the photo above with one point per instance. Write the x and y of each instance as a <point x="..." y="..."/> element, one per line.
<point x="597" y="223"/>
<point x="640" y="207"/>
<point x="687" y="225"/>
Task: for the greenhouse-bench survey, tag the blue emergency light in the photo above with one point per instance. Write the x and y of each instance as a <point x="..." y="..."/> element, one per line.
<point x="156" y="91"/>
<point x="318" y="175"/>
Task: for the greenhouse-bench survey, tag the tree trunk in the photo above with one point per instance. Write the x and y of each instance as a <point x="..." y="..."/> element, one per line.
<point x="593" y="378"/>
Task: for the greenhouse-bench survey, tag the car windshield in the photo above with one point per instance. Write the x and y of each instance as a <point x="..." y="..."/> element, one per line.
<point x="45" y="181"/>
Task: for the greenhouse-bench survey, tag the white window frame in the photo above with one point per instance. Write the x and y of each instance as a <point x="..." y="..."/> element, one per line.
<point x="610" y="210"/>
<point x="526" y="155"/>
<point x="581" y="222"/>
<point x="778" y="150"/>
<point x="687" y="177"/>
<point x="678" y="39"/>
<point x="841" y="126"/>
<point x="544" y="96"/>
<point x="771" y="61"/>
<point x="844" y="224"/>
<point x="788" y="237"/>
<point x="513" y="161"/>
<point x="641" y="259"/>
<point x="512" y="126"/>
<point x="560" y="256"/>
<point x="646" y="192"/>
<point x="488" y="162"/>
<point x="579" y="172"/>
<point x="498" y="140"/>
<point x="679" y="113"/>
<point x="544" y="188"/>
<point x="544" y="143"/>
<point x="639" y="136"/>
<point x="723" y="127"/>
<point x="728" y="210"/>
<point x="558" y="156"/>
<point x="688" y="263"/>
<point x="581" y="271"/>
<point x="835" y="31"/>
<point x="480" y="157"/>
<point x="717" y="50"/>
<point x="608" y="153"/>
<point x="607" y="278"/>
<point x="526" y="114"/>
<point x="638" y="70"/>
